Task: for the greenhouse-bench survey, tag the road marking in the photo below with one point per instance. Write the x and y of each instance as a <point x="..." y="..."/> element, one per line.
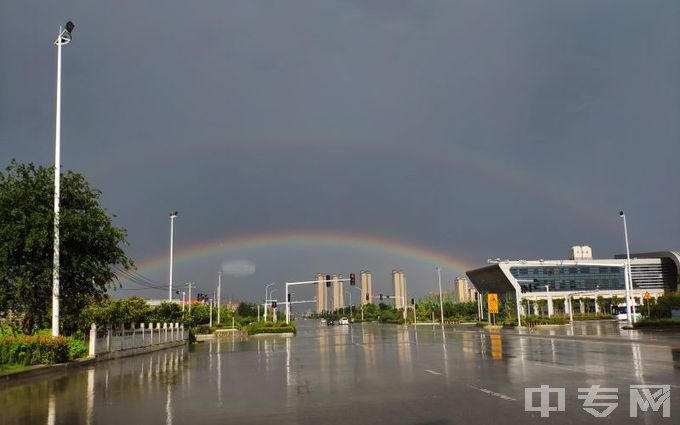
<point x="493" y="393"/>
<point x="432" y="372"/>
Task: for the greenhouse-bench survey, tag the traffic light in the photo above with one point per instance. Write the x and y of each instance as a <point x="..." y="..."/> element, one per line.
<point x="367" y="297"/>
<point x="413" y="301"/>
<point x="289" y="297"/>
<point x="352" y="279"/>
<point x="273" y="304"/>
<point x="328" y="281"/>
<point x="381" y="297"/>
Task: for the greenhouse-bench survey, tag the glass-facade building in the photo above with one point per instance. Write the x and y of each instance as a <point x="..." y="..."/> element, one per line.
<point x="651" y="272"/>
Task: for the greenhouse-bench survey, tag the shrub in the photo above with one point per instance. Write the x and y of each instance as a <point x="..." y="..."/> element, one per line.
<point x="6" y="329"/>
<point x="204" y="329"/>
<point x="33" y="349"/>
<point x="646" y="323"/>
<point x="270" y="327"/>
<point x="545" y="320"/>
<point x="599" y="316"/>
<point x="77" y="348"/>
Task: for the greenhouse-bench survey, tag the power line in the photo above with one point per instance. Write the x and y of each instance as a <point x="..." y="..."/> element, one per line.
<point x="139" y="280"/>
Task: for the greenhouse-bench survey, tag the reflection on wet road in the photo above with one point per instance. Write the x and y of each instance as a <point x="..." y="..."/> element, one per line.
<point x="345" y="374"/>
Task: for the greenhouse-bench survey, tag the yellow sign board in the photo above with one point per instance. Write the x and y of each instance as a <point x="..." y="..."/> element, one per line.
<point x="647" y="296"/>
<point x="492" y="300"/>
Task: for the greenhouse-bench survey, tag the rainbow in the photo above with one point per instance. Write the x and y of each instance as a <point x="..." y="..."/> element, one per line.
<point x="314" y="239"/>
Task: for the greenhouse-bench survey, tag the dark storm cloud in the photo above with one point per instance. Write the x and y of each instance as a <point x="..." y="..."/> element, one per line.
<point x="481" y="129"/>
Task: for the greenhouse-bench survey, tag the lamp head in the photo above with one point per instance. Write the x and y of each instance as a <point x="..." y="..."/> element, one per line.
<point x="173" y="214"/>
<point x="621" y="214"/>
<point x="69" y="26"/>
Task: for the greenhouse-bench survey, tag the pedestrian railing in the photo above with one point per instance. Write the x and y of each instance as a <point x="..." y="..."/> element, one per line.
<point x="110" y="339"/>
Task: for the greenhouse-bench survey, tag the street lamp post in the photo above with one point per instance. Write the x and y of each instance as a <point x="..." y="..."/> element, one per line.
<point x="63" y="38"/>
<point x="630" y="314"/>
<point x="219" y="289"/>
<point x="441" y="298"/>
<point x="172" y="237"/>
<point x="360" y="300"/>
<point x="266" y="298"/>
<point x="350" y="301"/>
<point x="271" y="293"/>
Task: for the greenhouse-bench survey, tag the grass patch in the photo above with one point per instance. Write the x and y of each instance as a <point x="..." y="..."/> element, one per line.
<point x="8" y="368"/>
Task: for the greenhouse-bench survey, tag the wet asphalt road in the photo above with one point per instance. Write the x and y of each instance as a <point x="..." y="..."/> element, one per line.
<point x="358" y="374"/>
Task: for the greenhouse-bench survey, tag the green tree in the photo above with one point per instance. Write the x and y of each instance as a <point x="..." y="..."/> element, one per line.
<point x="121" y="312"/>
<point x="90" y="245"/>
<point x="166" y="312"/>
<point x="245" y="309"/>
<point x="200" y="314"/>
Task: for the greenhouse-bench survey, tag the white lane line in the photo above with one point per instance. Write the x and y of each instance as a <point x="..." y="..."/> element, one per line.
<point x="493" y="393"/>
<point x="432" y="372"/>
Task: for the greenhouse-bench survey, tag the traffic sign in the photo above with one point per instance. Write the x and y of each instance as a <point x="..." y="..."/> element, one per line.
<point x="492" y="302"/>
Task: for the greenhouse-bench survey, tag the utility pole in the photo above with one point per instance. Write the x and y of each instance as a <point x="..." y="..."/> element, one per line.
<point x="415" y="315"/>
<point x="266" y="299"/>
<point x="441" y="298"/>
<point x="219" y="289"/>
<point x="183" y="300"/>
<point x="190" y="285"/>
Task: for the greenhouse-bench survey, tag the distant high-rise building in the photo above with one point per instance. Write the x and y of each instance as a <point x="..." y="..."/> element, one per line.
<point x="462" y="289"/>
<point x="472" y="294"/>
<point x="338" y="293"/>
<point x="398" y="285"/>
<point x="321" y="293"/>
<point x="582" y="252"/>
<point x="366" y="287"/>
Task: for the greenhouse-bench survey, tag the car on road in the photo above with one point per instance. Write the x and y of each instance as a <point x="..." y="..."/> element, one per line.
<point x="621" y="312"/>
<point x="343" y="321"/>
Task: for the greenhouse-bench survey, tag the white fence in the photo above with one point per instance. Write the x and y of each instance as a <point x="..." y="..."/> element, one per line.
<point x="111" y="340"/>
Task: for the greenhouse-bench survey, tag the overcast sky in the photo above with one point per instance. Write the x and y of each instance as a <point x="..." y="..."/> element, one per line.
<point x="509" y="129"/>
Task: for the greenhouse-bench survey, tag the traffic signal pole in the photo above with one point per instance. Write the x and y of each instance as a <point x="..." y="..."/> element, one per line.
<point x="306" y="282"/>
